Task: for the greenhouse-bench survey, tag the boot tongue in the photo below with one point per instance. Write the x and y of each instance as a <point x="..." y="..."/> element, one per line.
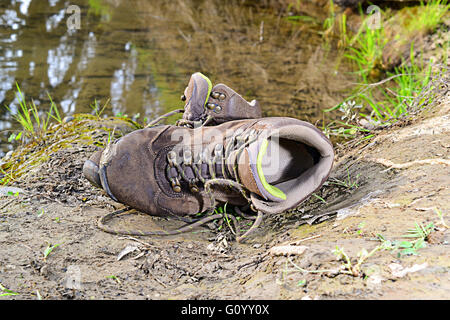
<point x="197" y="93"/>
<point x="251" y="173"/>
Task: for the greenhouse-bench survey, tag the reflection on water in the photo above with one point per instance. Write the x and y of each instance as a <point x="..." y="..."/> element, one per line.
<point x="139" y="54"/>
<point x="76" y="67"/>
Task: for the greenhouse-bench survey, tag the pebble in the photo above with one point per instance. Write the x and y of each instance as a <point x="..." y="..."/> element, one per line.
<point x="68" y="119"/>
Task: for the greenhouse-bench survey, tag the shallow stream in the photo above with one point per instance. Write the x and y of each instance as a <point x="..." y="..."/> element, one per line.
<point x="137" y="56"/>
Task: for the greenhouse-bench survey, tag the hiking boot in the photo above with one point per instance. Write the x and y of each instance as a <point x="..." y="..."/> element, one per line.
<point x="219" y="103"/>
<point x="90" y="169"/>
<point x="206" y="104"/>
<point x="271" y="164"/>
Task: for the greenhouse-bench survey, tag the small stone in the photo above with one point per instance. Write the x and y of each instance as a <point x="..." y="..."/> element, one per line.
<point x="7" y="156"/>
<point x="68" y="119"/>
<point x="44" y="271"/>
<point x="366" y="124"/>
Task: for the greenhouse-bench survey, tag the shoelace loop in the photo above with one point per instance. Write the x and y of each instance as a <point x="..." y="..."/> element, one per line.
<point x="192" y="169"/>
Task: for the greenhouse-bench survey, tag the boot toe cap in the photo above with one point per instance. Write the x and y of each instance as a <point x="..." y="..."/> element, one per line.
<point x="91" y="168"/>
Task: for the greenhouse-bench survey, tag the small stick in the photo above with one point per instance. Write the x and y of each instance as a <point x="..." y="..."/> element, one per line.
<point x="7" y="203"/>
<point x="137" y="240"/>
<point x="301" y="240"/>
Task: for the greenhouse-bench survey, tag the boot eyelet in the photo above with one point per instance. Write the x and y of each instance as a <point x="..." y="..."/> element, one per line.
<point x="218" y="109"/>
<point x="215" y="95"/>
<point x="175" y="183"/>
<point x="183" y="98"/>
<point x="222" y="96"/>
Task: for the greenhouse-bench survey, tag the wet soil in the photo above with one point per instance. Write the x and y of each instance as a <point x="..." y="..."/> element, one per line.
<point x="375" y="188"/>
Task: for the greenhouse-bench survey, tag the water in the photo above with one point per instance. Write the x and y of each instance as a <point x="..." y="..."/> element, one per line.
<point x="137" y="56"/>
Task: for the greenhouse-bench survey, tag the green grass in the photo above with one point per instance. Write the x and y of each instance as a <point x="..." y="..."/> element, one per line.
<point x="417" y="240"/>
<point x="96" y="108"/>
<point x="320" y="198"/>
<point x="365" y="49"/>
<point x="113" y="277"/>
<point x="226" y="214"/>
<point x="335" y="26"/>
<point x="6" y="292"/>
<point x="329" y="22"/>
<point x="50" y="249"/>
<point x="426" y="17"/>
<point x="53" y="107"/>
<point x="383" y="102"/>
<point x="301" y="19"/>
<point x="34" y="125"/>
<point x="345" y="130"/>
<point x="416" y="236"/>
<point x="441" y="218"/>
<point x="391" y="100"/>
<point x="348" y="182"/>
<point x="99" y="8"/>
<point x="7" y="177"/>
<point x="407" y="86"/>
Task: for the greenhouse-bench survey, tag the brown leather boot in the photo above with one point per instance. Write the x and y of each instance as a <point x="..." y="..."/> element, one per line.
<point x="208" y="105"/>
<point x="217" y="104"/>
<point x="205" y="105"/>
<point x="273" y="164"/>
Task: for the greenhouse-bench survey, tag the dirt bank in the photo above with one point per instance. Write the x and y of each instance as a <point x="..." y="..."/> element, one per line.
<point x="381" y="187"/>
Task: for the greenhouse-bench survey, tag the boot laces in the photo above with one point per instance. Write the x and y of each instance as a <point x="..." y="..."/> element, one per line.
<point x="208" y="168"/>
<point x="190" y="170"/>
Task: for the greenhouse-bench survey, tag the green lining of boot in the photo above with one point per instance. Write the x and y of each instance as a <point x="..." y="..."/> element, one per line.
<point x="209" y="87"/>
<point x="269" y="188"/>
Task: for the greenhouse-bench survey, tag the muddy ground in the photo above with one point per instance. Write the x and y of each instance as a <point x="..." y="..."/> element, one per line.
<point x="381" y="191"/>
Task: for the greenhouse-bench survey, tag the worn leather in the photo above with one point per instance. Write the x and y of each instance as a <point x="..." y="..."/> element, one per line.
<point x="233" y="107"/>
<point x="223" y="104"/>
<point x="246" y="175"/>
<point x="136" y="170"/>
<point x="196" y="94"/>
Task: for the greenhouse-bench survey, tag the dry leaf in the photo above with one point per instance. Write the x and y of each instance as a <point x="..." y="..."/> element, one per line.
<point x="125" y="251"/>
